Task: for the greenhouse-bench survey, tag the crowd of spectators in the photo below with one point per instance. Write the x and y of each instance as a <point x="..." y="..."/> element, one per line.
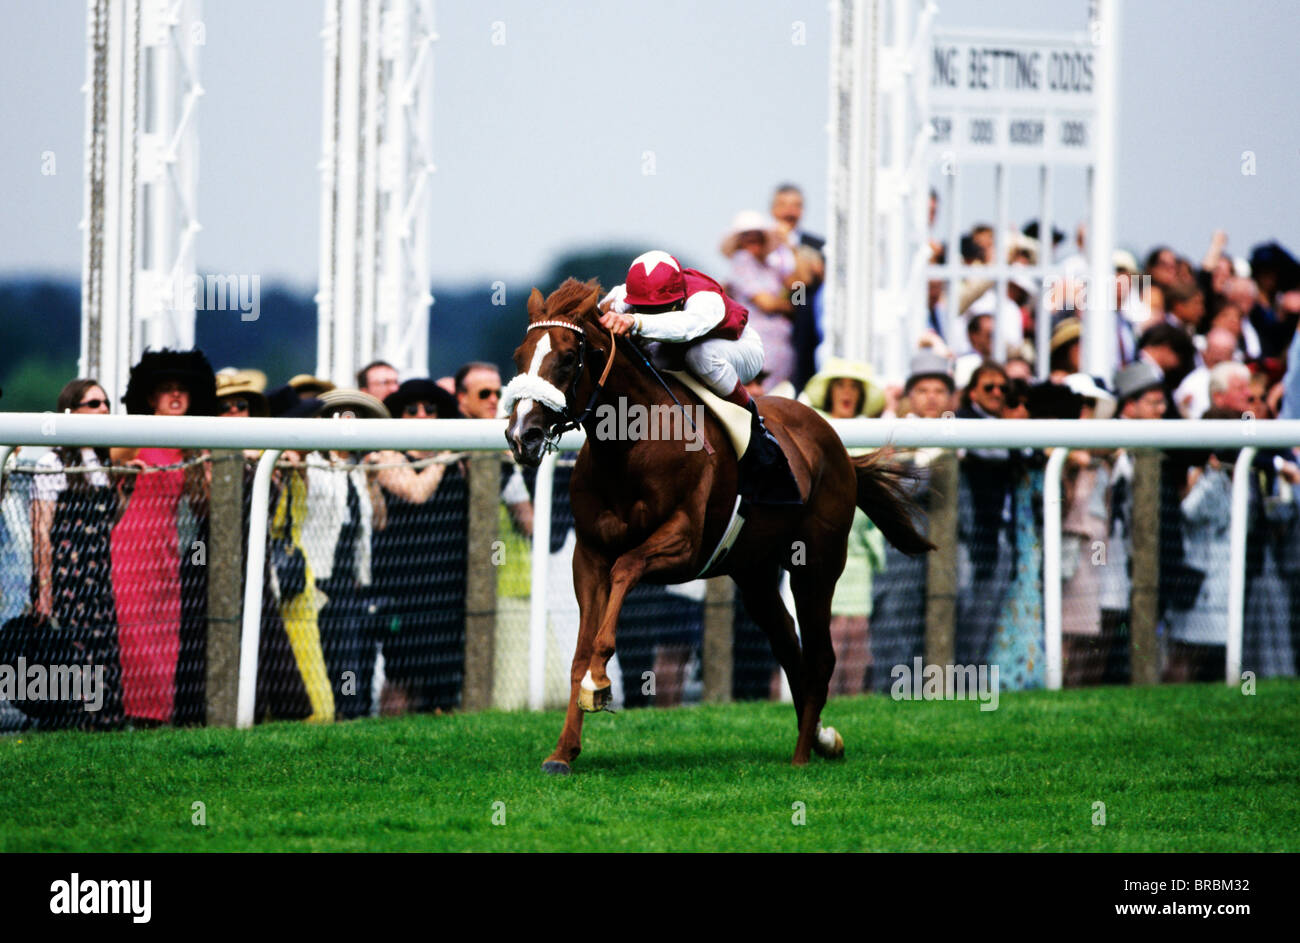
<point x="366" y="553"/>
<point x="1210" y="339"/>
<point x="366" y="563"/>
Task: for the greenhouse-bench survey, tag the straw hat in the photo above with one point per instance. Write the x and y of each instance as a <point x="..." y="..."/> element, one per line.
<point x="247" y="383"/>
<point x="1019" y="242"/>
<point x="750" y="221"/>
<point x="1124" y="261"/>
<point x="814" y="393"/>
<point x="361" y="405"/>
<point x="1069" y="330"/>
<point x="970" y="292"/>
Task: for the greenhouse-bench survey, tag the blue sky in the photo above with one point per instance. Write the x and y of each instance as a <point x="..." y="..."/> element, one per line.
<point x="541" y="141"/>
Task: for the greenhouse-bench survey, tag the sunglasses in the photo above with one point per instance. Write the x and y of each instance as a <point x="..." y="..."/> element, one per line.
<point x="413" y="409"/>
<point x="235" y="406"/>
<point x="92" y="404"/>
<point x="990" y="387"/>
<point x="489" y="393"/>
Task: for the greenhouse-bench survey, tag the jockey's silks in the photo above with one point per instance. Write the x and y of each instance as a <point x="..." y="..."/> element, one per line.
<point x="733" y="322"/>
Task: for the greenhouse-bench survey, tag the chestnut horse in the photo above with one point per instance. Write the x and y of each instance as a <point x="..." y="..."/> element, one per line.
<point x="654" y="510"/>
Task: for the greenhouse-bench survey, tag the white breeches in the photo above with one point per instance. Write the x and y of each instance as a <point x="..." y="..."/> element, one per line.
<point x="719" y="364"/>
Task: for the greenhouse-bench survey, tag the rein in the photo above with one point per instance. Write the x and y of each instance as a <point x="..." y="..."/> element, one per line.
<point x="667" y="389"/>
<point x="573" y="422"/>
<point x="570" y="420"/>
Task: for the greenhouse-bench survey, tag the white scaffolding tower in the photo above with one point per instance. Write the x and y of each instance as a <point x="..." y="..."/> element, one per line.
<point x="374" y="295"/>
<point x="893" y="119"/>
<point x="142" y="93"/>
<point x="878" y="168"/>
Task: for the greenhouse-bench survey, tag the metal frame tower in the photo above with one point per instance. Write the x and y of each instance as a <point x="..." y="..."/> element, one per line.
<point x="142" y="91"/>
<point x="878" y="166"/>
<point x="374" y="295"/>
<point x="884" y="142"/>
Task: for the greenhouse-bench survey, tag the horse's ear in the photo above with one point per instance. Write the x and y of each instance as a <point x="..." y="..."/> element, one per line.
<point x="536" y="303"/>
<point x="590" y="302"/>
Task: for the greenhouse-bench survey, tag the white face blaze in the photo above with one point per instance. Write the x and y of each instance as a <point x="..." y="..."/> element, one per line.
<point x="534" y="370"/>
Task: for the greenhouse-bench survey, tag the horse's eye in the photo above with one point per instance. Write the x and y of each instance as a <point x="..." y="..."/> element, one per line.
<point x="566" y="361"/>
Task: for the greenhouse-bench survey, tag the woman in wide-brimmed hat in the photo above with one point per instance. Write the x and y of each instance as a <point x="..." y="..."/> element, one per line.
<point x="345" y="507"/>
<point x="161" y="376"/>
<point x="241" y="393"/>
<point x="352" y="404"/>
<point x="762" y="268"/>
<point x="422" y="398"/>
<point x="1064" y="347"/>
<point x="420" y="561"/>
<point x="845" y="389"/>
<point x="160" y="590"/>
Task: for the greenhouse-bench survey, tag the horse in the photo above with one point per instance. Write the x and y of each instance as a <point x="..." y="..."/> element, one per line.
<point x="654" y="510"/>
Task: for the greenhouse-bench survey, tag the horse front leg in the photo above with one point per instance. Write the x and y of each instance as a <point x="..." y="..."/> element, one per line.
<point x="591" y="585"/>
<point x="668" y="547"/>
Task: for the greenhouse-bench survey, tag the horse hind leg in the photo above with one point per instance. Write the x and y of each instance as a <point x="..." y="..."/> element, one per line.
<point x="813" y="588"/>
<point x="761" y="593"/>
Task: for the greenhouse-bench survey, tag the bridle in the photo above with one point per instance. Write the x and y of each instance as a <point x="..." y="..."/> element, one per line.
<point x="571" y="421"/>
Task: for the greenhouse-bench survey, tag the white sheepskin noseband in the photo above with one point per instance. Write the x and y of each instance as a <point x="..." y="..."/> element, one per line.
<point x="527" y="386"/>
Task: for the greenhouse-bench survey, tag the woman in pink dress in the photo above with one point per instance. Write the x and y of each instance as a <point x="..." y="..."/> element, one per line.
<point x="146" y="542"/>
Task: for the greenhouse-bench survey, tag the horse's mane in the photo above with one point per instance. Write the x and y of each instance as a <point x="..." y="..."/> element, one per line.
<point x="565" y="301"/>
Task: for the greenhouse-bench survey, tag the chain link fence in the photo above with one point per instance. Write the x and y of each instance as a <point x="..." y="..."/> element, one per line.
<point x="373" y="593"/>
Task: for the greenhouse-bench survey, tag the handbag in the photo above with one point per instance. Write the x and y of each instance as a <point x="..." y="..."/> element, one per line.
<point x="287" y="558"/>
<point x="33" y="640"/>
<point x="1183" y="585"/>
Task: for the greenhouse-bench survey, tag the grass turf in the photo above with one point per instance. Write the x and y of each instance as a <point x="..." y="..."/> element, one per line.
<point x="1179" y="768"/>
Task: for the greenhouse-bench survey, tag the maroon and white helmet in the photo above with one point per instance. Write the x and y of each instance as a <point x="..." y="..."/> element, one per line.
<point x="655" y="278"/>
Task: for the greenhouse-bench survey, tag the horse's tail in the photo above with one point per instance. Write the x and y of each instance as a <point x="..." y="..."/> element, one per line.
<point x="883" y="498"/>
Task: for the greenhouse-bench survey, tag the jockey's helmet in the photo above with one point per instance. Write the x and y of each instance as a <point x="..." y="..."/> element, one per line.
<point x="654" y="279"/>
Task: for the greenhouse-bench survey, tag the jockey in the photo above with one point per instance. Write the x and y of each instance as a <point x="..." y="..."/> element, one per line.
<point x="688" y="311"/>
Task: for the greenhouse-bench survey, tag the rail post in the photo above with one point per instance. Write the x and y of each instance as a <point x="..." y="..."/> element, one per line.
<point x="481" y="580"/>
<point x="1145" y="598"/>
<point x="251" y="632"/>
<point x="1052" y="515"/>
<point x="1237" y="565"/>
<point x="941" y="565"/>
<point x="225" y="583"/>
<point x="717" y="649"/>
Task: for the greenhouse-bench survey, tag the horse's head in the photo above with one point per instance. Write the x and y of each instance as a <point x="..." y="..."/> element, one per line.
<point x="550" y="361"/>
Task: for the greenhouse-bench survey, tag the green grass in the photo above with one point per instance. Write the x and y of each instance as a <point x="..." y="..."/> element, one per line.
<point x="1187" y="768"/>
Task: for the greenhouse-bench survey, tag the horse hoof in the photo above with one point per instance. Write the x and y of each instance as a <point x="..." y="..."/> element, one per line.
<point x="556" y="768"/>
<point x="829" y="744"/>
<point x="594" y="700"/>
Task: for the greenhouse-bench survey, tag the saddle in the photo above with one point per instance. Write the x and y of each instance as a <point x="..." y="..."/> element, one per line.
<point x="735" y="419"/>
<point x="765" y="475"/>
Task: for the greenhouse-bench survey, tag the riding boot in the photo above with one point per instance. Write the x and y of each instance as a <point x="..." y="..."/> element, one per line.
<point x="765" y="475"/>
